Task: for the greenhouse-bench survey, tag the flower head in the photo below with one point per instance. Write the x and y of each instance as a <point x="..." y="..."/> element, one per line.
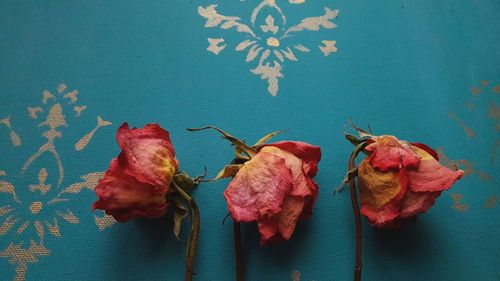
<point x="137" y="181"/>
<point x="399" y="180"/>
<point x="275" y="188"/>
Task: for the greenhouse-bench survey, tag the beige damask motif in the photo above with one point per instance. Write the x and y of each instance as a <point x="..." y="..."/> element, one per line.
<point x="269" y="42"/>
<point x="296" y="276"/>
<point x="482" y="105"/>
<point x="44" y="209"/>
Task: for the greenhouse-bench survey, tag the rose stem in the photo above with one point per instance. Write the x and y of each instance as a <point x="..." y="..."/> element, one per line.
<point x="357" y="216"/>
<point x="237" y="251"/>
<point x="193" y="236"/>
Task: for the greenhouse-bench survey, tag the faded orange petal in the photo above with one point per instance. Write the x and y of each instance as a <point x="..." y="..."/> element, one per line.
<point x="381" y="193"/>
<point x="377" y="188"/>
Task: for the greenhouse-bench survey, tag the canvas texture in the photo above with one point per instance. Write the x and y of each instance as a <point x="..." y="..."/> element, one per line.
<point x="71" y="72"/>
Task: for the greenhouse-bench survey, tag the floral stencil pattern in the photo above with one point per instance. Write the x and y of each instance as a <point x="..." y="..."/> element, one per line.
<point x="268" y="39"/>
<point x="37" y="207"/>
<point x="483" y="105"/>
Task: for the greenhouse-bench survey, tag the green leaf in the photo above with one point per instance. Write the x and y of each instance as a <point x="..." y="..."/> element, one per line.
<point x="192" y="243"/>
<point x="228" y="171"/>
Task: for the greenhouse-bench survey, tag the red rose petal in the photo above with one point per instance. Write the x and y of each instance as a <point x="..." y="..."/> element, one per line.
<point x="148" y="153"/>
<point x="387" y="152"/>
<point x="427" y="149"/>
<point x="308" y="153"/>
<point x="430" y="175"/>
<point x="259" y="188"/>
<point x="281" y="226"/>
<point x="121" y="195"/>
<point x="417" y="202"/>
<point x="303" y="184"/>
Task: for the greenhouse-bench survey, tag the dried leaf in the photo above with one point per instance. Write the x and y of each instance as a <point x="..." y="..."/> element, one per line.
<point x="353" y="139"/>
<point x="179" y="214"/>
<point x="268" y="137"/>
<point x="187" y="183"/>
<point x="229" y="171"/>
<point x="347" y="178"/>
<point x="238" y="143"/>
<point x="362" y="133"/>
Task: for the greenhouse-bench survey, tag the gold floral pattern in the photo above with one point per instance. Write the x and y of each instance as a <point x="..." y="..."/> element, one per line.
<point x="26" y="220"/>
<point x="481" y="105"/>
<point x="269" y="42"/>
<point x="296" y="276"/>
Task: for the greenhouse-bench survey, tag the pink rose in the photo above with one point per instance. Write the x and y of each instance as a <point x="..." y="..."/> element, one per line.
<point x="275" y="188"/>
<point x="399" y="180"/>
<point x="137" y="181"/>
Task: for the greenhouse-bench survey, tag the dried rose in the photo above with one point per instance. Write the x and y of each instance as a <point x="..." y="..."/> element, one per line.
<point x="275" y="188"/>
<point x="399" y="180"/>
<point x="137" y="181"/>
<point x="272" y="184"/>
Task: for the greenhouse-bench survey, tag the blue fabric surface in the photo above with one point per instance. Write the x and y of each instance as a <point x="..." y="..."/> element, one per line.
<point x="425" y="71"/>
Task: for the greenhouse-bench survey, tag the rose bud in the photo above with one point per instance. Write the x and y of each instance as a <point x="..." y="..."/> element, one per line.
<point x="399" y="180"/>
<point x="275" y="188"/>
<point x="137" y="181"/>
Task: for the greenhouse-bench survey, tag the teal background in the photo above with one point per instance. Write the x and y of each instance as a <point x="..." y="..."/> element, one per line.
<point x="401" y="66"/>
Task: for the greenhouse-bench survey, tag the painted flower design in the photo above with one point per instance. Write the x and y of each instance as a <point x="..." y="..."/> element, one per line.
<point x="137" y="181"/>
<point x="44" y="214"/>
<point x="37" y="206"/>
<point x="270" y="40"/>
